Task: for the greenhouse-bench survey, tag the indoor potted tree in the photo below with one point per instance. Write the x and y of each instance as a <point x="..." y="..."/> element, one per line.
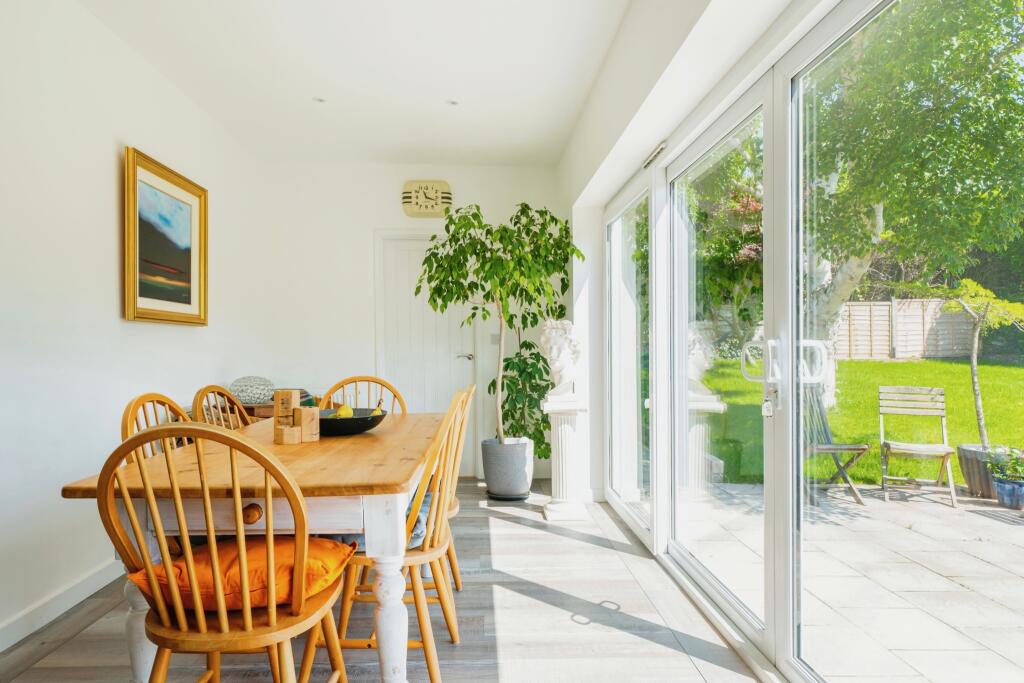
<point x="518" y="273"/>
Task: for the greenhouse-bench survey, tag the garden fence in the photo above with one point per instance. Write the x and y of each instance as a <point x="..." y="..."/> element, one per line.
<point x="902" y="329"/>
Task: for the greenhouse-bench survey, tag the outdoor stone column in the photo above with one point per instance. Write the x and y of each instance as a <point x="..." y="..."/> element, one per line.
<point x="563" y="406"/>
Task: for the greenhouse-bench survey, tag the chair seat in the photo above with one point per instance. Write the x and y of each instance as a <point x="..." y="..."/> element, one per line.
<point x="839" y="447"/>
<point x="262" y="634"/>
<point x="325" y="562"/>
<point x="918" y="449"/>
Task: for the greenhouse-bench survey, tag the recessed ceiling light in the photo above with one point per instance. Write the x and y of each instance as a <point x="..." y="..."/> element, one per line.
<point x="453" y="103"/>
<point x="319" y="100"/>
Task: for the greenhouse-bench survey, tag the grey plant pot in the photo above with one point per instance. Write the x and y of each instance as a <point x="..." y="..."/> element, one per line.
<point x="508" y="468"/>
<point x="974" y="464"/>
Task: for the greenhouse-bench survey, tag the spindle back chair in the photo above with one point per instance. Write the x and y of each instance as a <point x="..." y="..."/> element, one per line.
<point x="364" y="391"/>
<point x="223" y="464"/>
<point x="149" y="410"/>
<point x="439" y="479"/>
<point x="216" y="405"/>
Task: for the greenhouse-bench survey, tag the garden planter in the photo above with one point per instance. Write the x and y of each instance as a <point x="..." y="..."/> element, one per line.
<point x="1010" y="493"/>
<point x="508" y="468"/>
<point x="974" y="464"/>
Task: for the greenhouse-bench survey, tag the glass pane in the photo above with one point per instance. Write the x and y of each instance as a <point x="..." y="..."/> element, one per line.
<point x="629" y="240"/>
<point x="911" y="141"/>
<point x="720" y="470"/>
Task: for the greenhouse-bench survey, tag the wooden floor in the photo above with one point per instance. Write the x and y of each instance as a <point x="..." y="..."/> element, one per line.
<point x="572" y="601"/>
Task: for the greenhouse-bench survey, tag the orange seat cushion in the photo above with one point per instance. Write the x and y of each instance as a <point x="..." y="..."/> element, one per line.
<point x="325" y="562"/>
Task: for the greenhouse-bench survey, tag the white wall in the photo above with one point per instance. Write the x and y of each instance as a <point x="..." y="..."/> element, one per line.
<point x="330" y="215"/>
<point x="73" y="96"/>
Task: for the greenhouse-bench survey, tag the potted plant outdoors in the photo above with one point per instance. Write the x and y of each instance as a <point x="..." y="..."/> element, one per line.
<point x="1007" y="467"/>
<point x="518" y="273"/>
<point x="987" y="312"/>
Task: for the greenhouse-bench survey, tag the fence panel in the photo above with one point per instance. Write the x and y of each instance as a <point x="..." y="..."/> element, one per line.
<point x="902" y="329"/>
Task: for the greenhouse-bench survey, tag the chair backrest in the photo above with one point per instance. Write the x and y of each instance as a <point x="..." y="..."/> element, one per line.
<point x="216" y="405"/>
<point x="438" y="476"/>
<point x="150" y="410"/>
<point x="223" y="464"/>
<point x="925" y="401"/>
<point x="816" y="429"/>
<point x="364" y="391"/>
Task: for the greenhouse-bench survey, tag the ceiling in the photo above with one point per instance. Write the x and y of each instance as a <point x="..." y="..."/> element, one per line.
<point x="387" y="72"/>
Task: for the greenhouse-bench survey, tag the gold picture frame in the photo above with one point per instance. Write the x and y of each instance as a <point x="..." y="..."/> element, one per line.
<point x="164" y="243"/>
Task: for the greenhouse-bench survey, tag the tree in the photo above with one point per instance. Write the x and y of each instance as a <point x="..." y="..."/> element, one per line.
<point x="516" y="271"/>
<point x="988" y="312"/>
<point x="916" y="127"/>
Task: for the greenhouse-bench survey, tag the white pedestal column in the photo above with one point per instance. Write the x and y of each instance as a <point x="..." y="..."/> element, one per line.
<point x="566" y="460"/>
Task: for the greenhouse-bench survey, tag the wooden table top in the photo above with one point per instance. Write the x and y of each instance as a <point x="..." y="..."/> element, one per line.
<point x="386" y="459"/>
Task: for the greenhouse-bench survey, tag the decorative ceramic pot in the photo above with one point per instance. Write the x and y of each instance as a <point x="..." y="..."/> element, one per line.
<point x="1010" y="493"/>
<point x="252" y="389"/>
<point x="508" y="468"/>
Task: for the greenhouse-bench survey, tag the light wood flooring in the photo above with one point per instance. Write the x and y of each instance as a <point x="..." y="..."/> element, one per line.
<point x="568" y="601"/>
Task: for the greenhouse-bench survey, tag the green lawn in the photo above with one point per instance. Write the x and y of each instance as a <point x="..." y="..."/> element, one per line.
<point x="738" y="439"/>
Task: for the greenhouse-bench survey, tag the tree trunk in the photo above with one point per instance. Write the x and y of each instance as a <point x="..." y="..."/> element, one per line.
<point x="826" y="304"/>
<point x="979" y="410"/>
<point x="499" y="385"/>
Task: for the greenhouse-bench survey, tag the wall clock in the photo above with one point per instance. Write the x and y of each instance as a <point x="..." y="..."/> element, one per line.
<point x="426" y="198"/>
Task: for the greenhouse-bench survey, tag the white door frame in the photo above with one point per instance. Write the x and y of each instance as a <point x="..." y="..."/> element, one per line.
<point x="379" y="281"/>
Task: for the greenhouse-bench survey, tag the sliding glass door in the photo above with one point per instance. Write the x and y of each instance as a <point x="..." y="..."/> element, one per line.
<point x="845" y="348"/>
<point x="717" y="196"/>
<point x="629" y="258"/>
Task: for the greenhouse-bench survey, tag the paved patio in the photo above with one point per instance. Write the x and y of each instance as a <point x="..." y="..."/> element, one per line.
<point x="909" y="590"/>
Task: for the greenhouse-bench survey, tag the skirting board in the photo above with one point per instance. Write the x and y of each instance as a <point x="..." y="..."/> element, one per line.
<point x="748" y="652"/>
<point x="45" y="610"/>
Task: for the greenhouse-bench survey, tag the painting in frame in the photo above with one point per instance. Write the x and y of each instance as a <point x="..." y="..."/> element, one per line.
<point x="164" y="243"/>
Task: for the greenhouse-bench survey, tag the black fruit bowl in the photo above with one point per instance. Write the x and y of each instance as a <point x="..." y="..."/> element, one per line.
<point x="360" y="422"/>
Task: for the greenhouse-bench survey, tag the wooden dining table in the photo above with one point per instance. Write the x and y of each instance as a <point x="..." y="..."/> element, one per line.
<point x="352" y="484"/>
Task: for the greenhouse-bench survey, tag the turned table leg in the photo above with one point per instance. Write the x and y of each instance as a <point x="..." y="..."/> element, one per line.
<point x="384" y="518"/>
<point x="140" y="650"/>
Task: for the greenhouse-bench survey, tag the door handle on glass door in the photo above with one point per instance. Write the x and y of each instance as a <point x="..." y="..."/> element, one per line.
<point x="467" y="356"/>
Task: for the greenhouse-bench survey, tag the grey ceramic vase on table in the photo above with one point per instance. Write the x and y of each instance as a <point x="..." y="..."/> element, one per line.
<point x="508" y="468"/>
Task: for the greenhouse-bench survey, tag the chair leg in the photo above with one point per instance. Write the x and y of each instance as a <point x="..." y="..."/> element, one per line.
<point x="885" y="475"/>
<point x="213" y="665"/>
<point x="453" y="564"/>
<point x="846" y="478"/>
<point x="275" y="668"/>
<point x="447" y="601"/>
<point x="942" y="470"/>
<point x="426" y="630"/>
<point x="309" y="654"/>
<point x="158" y="674"/>
<point x="286" y="661"/>
<point x="352" y="574"/>
<point x="949" y="480"/>
<point x="334" y="647"/>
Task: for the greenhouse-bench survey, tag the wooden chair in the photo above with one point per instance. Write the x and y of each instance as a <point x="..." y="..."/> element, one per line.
<point x="455" y="506"/>
<point x="216" y="405"/>
<point x="439" y="479"/>
<point x="818" y="437"/>
<point x="196" y="621"/>
<point x="922" y="401"/>
<point x="150" y="410"/>
<point x="364" y="391"/>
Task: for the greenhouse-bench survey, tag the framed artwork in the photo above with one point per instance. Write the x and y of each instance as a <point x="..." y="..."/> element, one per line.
<point x="164" y="243"/>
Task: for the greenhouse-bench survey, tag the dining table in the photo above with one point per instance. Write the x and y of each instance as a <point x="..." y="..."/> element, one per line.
<point x="360" y="483"/>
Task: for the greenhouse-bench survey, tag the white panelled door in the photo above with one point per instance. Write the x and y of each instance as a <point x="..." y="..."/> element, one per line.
<point x="426" y="355"/>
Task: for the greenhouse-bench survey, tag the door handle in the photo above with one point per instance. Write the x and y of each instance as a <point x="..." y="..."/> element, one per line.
<point x="467" y="356"/>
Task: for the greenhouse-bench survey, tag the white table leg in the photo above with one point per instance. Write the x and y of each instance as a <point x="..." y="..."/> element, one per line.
<point x="140" y="649"/>
<point x="384" y="518"/>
